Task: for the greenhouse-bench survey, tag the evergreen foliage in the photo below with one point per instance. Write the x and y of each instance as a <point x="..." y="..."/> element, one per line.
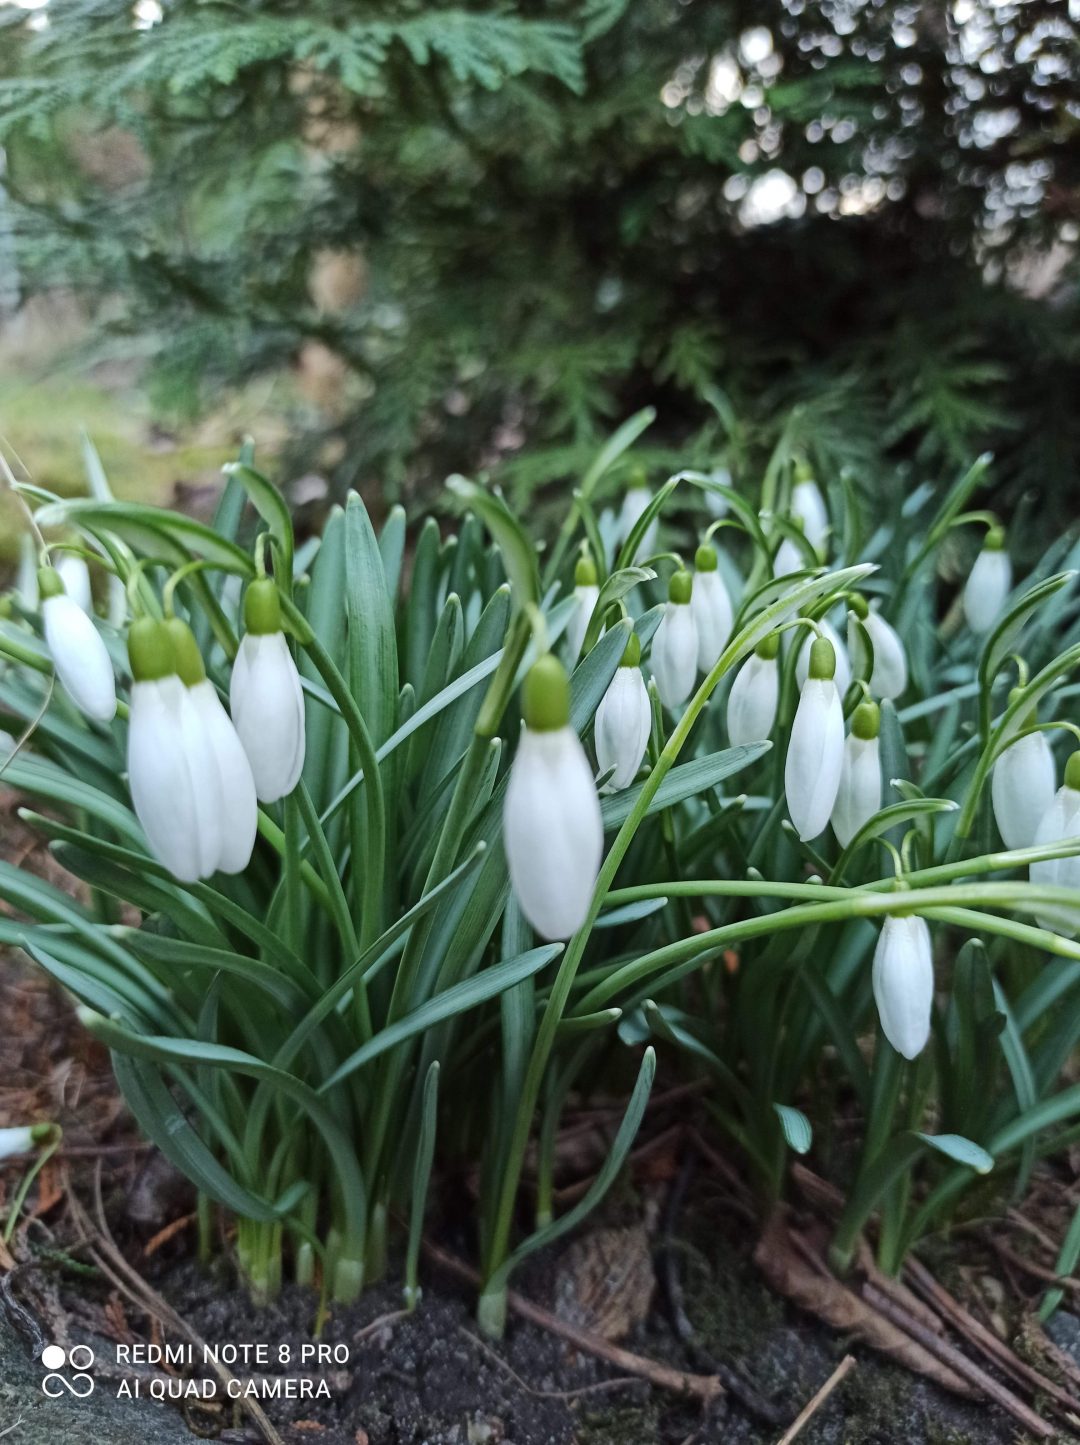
<point x="561" y="212"/>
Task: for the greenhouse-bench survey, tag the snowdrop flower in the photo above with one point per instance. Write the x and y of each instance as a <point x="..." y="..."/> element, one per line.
<point x="22" y="1138"/>
<point x="170" y="763"/>
<point x="1022" y="787"/>
<point x="751" y="705"/>
<point x="889" y="676"/>
<point x="586" y="593"/>
<point x="674" y="654"/>
<point x="1060" y="821"/>
<point x="552" y="829"/>
<point x="808" y="507"/>
<point x="637" y="498"/>
<point x="265" y="696"/>
<point x="903" y="979"/>
<point x="710" y="606"/>
<point x="623" y="720"/>
<point x="75" y="575"/>
<point x="816" y="747"/>
<point x="989" y="583"/>
<point x="79" y="655"/>
<point x="229" y="788"/>
<point x="843" y="666"/>
<point x="859" y="794"/>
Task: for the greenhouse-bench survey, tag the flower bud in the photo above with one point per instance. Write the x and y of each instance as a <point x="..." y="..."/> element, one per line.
<point x="903" y="980"/>
<point x="751" y="705"/>
<point x="711" y="608"/>
<point x="674" y="656"/>
<point x="1061" y="821"/>
<point x="890" y="674"/>
<point x="623" y="721"/>
<point x="21" y="1138"/>
<point x="79" y="655"/>
<point x="816" y="747"/>
<point x="717" y="504"/>
<point x="1022" y="788"/>
<point x="843" y="666"/>
<point x="859" y="796"/>
<point x="552" y="828"/>
<point x="586" y="593"/>
<point x="266" y="698"/>
<point x="989" y="583"/>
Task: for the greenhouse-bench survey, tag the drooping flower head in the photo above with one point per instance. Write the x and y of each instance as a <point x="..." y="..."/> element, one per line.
<point x="889" y="675"/>
<point x="711" y="608"/>
<point x="586" y="593"/>
<point x="808" y="506"/>
<point x="751" y="705"/>
<point x="1022" y="786"/>
<point x="266" y="698"/>
<point x="903" y="981"/>
<point x="623" y="720"/>
<point x="79" y="655"/>
<point x="637" y="497"/>
<point x="989" y="583"/>
<point x="552" y="828"/>
<point x="842" y="677"/>
<point x="816" y="747"/>
<point x="859" y="796"/>
<point x="674" y="655"/>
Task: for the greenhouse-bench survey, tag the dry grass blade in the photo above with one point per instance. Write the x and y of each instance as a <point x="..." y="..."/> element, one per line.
<point x="843" y="1369"/>
<point x="129" y="1282"/>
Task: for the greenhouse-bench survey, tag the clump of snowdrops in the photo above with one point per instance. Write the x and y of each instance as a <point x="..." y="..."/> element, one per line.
<point x="421" y="848"/>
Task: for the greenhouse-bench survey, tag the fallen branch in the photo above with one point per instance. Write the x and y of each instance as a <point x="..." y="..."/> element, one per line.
<point x="955" y="1360"/>
<point x="703" y="1387"/>
<point x="843" y="1369"/>
<point x="985" y="1340"/>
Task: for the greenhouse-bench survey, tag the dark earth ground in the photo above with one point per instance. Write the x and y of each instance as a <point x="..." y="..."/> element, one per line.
<point x="428" y="1378"/>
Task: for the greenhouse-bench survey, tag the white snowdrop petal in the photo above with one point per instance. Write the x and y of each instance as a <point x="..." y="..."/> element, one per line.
<point x="751" y="705"/>
<point x="1060" y="821"/>
<point x="808" y="505"/>
<point x="205" y="790"/>
<point x="267" y="705"/>
<point x="75" y="575"/>
<point x="16" y="1140"/>
<point x="903" y="982"/>
<point x="674" y="656"/>
<point x="622" y="727"/>
<point x="80" y="657"/>
<point x="842" y="677"/>
<point x="1022" y="789"/>
<point x="890" y="674"/>
<point x="858" y="797"/>
<point x="711" y="608"/>
<point x="552" y="829"/>
<point x="233" y="782"/>
<point x="814" y="758"/>
<point x="160" y="779"/>
<point x="585" y="595"/>
<point x="987" y="588"/>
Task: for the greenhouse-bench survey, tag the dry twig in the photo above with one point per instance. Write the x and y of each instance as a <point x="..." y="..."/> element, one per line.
<point x="844" y="1368"/>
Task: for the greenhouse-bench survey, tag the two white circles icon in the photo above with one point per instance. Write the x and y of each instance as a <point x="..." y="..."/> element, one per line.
<point x="80" y="1358"/>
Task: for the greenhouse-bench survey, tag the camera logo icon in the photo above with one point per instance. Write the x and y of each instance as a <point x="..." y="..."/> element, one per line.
<point x="79" y="1358"/>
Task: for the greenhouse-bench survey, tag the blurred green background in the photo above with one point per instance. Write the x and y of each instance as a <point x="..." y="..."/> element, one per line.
<point x="401" y="240"/>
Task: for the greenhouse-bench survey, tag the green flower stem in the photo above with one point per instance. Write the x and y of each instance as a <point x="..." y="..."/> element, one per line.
<point x="740" y="646"/>
<point x="374" y="864"/>
<point x="943" y="903"/>
<point x="273" y="835"/>
<point x="336" y="902"/>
